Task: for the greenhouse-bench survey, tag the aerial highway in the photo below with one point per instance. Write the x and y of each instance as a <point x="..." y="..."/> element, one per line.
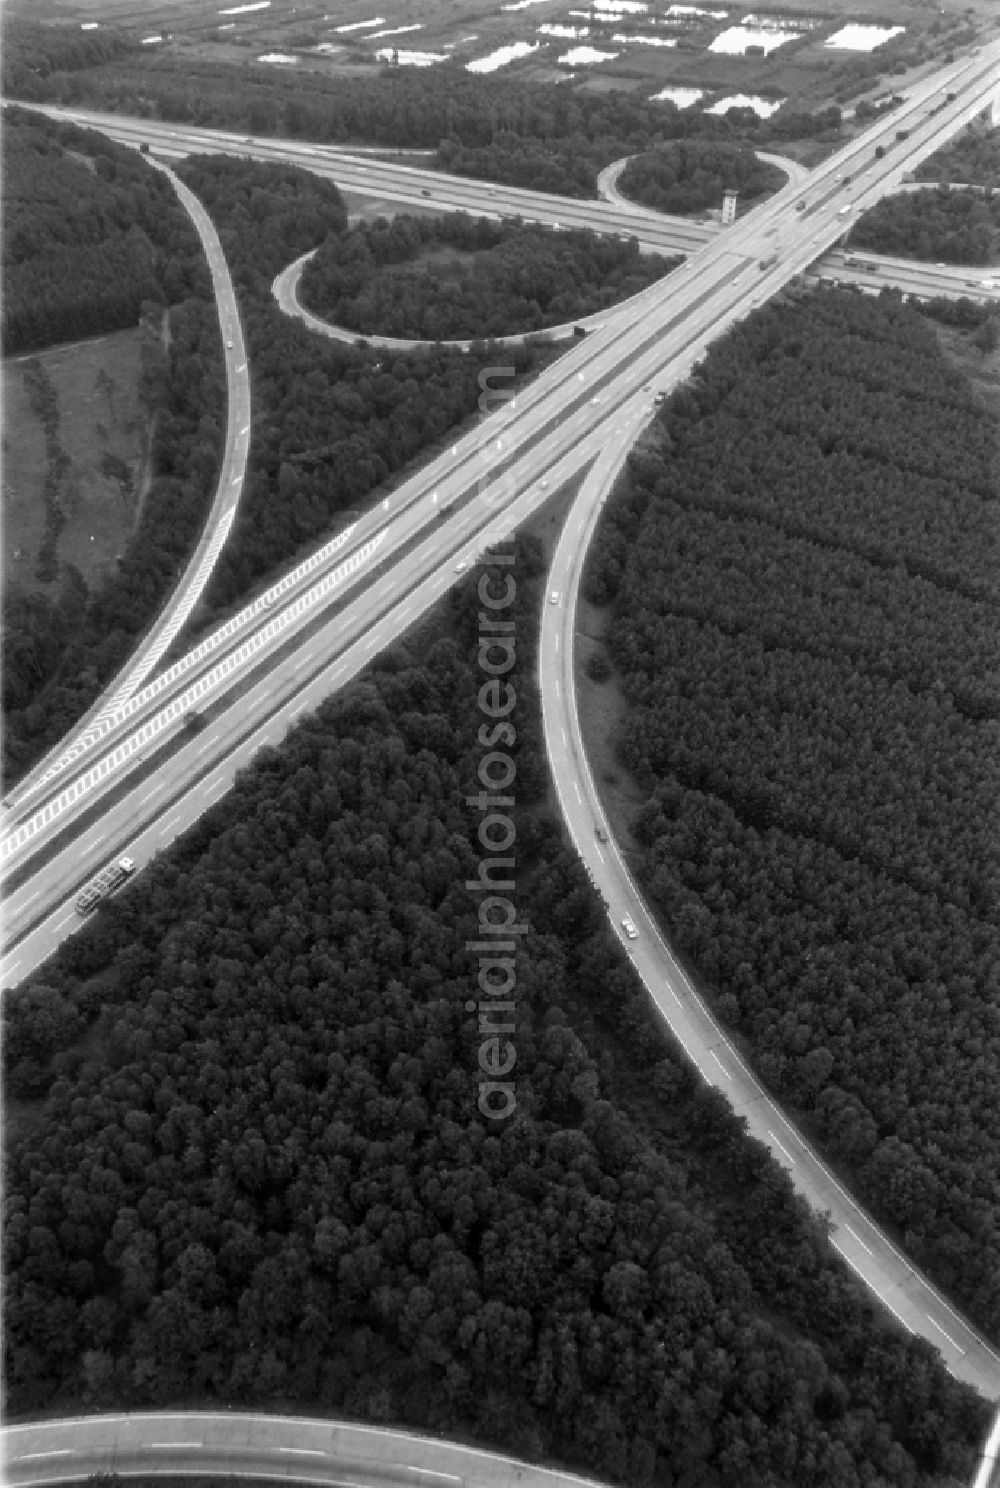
<point x="229" y="487"/>
<point x="234" y="1444"/>
<point x="927" y="281"/>
<point x="584" y="409"/>
<point x="409" y="184"/>
<point x="907" y="1295"/>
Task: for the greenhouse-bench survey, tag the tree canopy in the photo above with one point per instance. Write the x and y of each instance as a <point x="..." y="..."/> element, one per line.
<point x="690" y="175"/>
<point x="955" y="227"/>
<point x="259" y="1172"/>
<point x="440" y="278"/>
<point x="805" y="587"/>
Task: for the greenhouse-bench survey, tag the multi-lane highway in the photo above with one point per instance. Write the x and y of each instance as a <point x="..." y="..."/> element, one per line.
<point x="408" y="184"/>
<point x="229" y="488"/>
<point x="236" y="1445"/>
<point x="582" y="410"/>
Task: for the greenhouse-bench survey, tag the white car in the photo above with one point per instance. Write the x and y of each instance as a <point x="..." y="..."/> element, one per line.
<point x="628" y="926"/>
<point x="461" y="566"/>
<point x="229" y="346"/>
<point x="554" y="597"/>
<point x="544" y="484"/>
<point x="595" y="400"/>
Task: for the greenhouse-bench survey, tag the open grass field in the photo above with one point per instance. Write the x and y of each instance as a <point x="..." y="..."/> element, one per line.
<point x="102" y="433"/>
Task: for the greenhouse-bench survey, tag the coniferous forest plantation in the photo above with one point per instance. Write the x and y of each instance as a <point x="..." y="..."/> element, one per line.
<point x="244" y="1162"/>
<point x="804" y="577"/>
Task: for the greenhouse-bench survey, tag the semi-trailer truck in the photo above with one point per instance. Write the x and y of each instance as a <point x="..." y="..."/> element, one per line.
<point x="106" y="882"/>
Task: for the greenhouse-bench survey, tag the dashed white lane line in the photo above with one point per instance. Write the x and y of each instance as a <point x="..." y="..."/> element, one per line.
<point x="304" y="1451"/>
<point x="52" y="1452"/>
<point x="857" y="1238"/>
<point x="780" y="1148"/>
<point x="720" y="1064"/>
<point x="173" y="1446"/>
<point x="564" y="738"/>
<point x="31" y="896"/>
<point x="213" y="786"/>
<point x="958" y="1349"/>
<point x="300" y="664"/>
<point x="576" y="787"/>
<point x="168" y="824"/>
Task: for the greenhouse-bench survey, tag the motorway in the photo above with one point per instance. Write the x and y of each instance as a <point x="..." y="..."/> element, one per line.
<point x="582" y="411"/>
<point x="908" y="1296"/>
<point x="250" y="1445"/>
<point x="229" y="488"/>
<point x="408" y="184"/>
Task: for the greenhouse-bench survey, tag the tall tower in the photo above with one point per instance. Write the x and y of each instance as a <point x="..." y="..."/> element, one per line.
<point x="728" y="207"/>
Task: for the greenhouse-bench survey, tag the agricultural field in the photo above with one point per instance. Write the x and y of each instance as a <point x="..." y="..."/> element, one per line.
<point x="719" y="53"/>
<point x="93" y="457"/>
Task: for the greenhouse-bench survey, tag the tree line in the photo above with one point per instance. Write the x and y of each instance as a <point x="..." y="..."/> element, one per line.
<point x="955" y="227"/>
<point x="690" y="175"/>
<point x="255" y="1170"/>
<point x="449" y="277"/>
<point x="804" y="586"/>
<point x="973" y="158"/>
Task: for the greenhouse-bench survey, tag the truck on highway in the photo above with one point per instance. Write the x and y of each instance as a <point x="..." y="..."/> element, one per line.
<point x="106" y="882"/>
<point x="768" y="262"/>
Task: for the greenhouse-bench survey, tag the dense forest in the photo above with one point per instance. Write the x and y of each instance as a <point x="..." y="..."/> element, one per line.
<point x="76" y="201"/>
<point x="90" y="232"/>
<point x="331" y="421"/>
<point x="955" y="227"/>
<point x="546" y="136"/>
<point x="805" y="586"/>
<point x="690" y="175"/>
<point x="435" y="278"/>
<point x="972" y="158"/>
<point x="255" y="1171"/>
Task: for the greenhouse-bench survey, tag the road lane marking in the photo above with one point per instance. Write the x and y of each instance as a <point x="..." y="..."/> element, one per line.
<point x="300" y="664"/>
<point x="32" y="896"/>
<point x="173" y="1446"/>
<point x="857" y="1238"/>
<point x="780" y="1148"/>
<point x="304" y="1451"/>
<point x="955" y="1346"/>
<point x="168" y="824"/>
<point x="564" y="738"/>
<point x="720" y="1064"/>
<point x="213" y="786"/>
<point x="576" y="787"/>
<point x="52" y="1452"/>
